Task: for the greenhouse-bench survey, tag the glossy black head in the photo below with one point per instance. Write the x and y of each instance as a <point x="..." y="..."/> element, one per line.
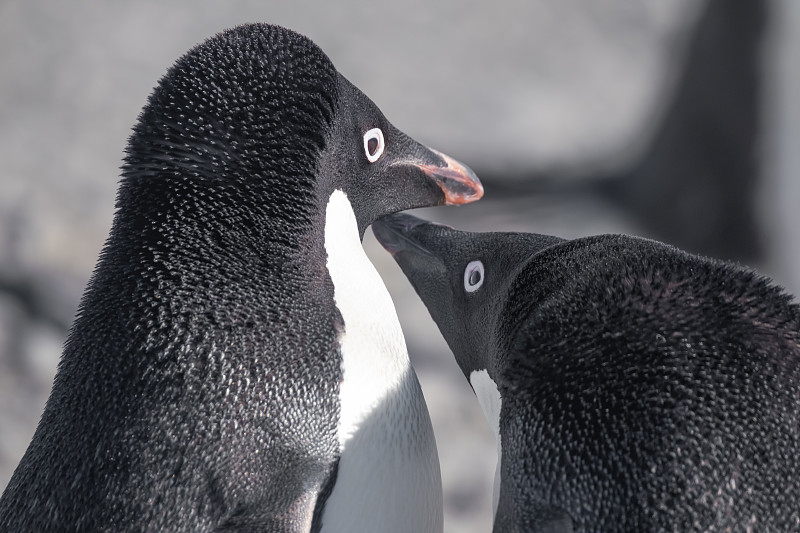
<point x="463" y="278"/>
<point x="258" y="127"/>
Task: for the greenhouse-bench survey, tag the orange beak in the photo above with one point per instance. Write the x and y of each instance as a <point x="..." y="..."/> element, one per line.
<point x="458" y="182"/>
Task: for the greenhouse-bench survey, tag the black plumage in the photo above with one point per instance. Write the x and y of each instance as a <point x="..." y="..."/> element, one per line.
<point x="643" y="388"/>
<point x="198" y="387"/>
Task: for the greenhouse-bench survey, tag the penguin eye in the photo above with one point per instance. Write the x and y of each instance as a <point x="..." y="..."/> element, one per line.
<point x="373" y="144"/>
<point x="473" y="276"/>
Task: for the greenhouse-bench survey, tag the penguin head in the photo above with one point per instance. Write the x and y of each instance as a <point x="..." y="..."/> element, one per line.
<point x="382" y="170"/>
<point x="463" y="279"/>
<point x="256" y="126"/>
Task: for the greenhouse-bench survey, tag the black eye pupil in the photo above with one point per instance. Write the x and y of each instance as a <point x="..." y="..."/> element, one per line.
<point x="475" y="277"/>
<point x="372" y="145"/>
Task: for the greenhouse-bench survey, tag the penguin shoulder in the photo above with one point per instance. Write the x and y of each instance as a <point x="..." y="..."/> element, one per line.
<point x="610" y="293"/>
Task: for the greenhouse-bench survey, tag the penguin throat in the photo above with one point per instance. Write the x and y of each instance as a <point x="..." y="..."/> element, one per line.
<point x="491" y="402"/>
<point x="374" y="357"/>
<point x="388" y="478"/>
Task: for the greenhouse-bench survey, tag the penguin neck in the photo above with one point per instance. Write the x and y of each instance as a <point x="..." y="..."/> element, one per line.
<point x="491" y="404"/>
<point x="195" y="262"/>
<point x="388" y="476"/>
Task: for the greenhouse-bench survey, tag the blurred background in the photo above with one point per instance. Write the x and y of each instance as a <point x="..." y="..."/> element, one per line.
<point x="674" y="120"/>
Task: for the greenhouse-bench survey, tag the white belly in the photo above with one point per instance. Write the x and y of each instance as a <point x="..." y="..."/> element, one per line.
<point x="389" y="478"/>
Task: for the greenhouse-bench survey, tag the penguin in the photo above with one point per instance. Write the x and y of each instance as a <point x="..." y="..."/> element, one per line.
<point x="236" y="364"/>
<point x="630" y="386"/>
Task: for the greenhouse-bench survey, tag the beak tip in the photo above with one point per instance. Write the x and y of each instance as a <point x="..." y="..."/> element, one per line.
<point x="458" y="182"/>
<point x="390" y="230"/>
<point x="395" y="232"/>
<point x="475" y="194"/>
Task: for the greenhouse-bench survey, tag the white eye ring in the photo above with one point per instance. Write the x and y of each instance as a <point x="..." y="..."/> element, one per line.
<point x="376" y="135"/>
<point x="473" y="276"/>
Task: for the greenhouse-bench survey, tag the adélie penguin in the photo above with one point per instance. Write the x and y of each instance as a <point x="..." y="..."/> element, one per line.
<point x="631" y="386"/>
<point x="236" y="364"/>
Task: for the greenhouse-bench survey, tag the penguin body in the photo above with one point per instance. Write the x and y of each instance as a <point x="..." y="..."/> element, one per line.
<point x="632" y="386"/>
<point x="203" y="386"/>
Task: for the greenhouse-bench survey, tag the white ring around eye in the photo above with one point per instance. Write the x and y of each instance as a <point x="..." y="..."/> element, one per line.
<point x="473" y="276"/>
<point x="377" y="135"/>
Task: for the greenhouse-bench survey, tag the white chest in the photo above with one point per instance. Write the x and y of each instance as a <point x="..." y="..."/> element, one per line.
<point x="389" y="478"/>
<point x="490" y="401"/>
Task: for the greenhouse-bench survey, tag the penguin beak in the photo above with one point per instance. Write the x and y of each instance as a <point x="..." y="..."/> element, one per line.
<point x="458" y="182"/>
<point x="394" y="233"/>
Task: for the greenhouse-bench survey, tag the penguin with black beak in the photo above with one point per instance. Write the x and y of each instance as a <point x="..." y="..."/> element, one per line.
<point x="630" y="386"/>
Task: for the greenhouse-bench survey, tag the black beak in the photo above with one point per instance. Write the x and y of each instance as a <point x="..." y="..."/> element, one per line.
<point x="396" y="233"/>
